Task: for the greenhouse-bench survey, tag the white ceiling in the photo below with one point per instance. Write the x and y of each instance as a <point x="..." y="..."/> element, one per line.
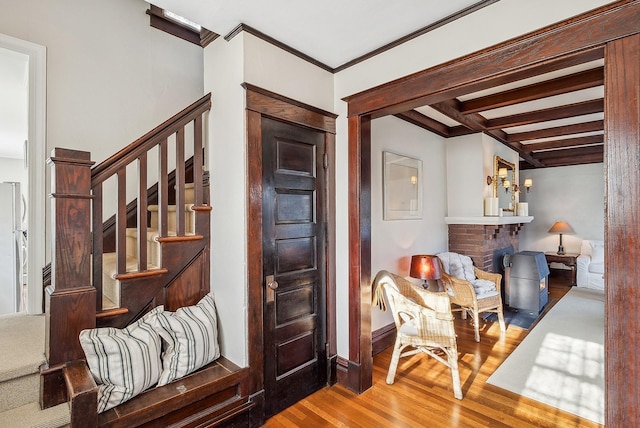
<point x="14" y="80"/>
<point x="330" y="31"/>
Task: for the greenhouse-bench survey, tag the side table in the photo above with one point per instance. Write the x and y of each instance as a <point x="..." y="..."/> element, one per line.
<point x="569" y="259"/>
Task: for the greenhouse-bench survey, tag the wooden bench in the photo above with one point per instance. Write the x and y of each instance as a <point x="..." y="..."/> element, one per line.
<point x="215" y="395"/>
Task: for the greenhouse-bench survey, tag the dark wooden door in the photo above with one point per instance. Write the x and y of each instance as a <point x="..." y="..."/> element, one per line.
<point x="294" y="229"/>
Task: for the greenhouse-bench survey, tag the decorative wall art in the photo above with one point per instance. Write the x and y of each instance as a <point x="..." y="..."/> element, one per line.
<point x="402" y="187"/>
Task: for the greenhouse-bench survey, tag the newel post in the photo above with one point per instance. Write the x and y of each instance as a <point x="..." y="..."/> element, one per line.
<point x="70" y="299"/>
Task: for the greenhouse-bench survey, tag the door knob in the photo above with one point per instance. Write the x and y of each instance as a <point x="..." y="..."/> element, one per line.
<point x="271" y="282"/>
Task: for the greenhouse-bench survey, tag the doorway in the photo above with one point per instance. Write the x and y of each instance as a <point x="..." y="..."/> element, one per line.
<point x="24" y="162"/>
<point x="294" y="249"/>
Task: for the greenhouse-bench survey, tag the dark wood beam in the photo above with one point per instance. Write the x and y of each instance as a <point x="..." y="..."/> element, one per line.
<point x="157" y="20"/>
<point x="457" y="131"/>
<point x="561" y="85"/>
<point x="553" y="113"/>
<point x="578" y="128"/>
<point x="476" y="123"/>
<point x="416" y="118"/>
<point x="566" y="142"/>
<point x="549" y="155"/>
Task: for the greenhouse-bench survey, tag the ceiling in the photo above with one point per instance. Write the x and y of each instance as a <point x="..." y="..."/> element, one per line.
<point x="554" y="118"/>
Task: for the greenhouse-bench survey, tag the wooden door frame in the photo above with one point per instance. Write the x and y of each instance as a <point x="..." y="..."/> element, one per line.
<point x="594" y="32"/>
<point x="263" y="103"/>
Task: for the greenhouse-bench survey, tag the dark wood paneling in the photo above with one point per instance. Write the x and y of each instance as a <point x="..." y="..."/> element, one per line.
<point x="186" y="290"/>
<point x="622" y="228"/>
<point x="383" y="338"/>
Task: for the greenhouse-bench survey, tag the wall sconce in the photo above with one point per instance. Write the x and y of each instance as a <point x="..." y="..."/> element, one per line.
<point x="528" y="183"/>
<point x="427" y="268"/>
<point x="502" y="175"/>
<point x="506" y="184"/>
<point x="414" y="180"/>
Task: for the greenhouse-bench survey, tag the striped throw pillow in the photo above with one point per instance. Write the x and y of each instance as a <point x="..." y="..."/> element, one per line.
<point x="191" y="339"/>
<point x="123" y="362"/>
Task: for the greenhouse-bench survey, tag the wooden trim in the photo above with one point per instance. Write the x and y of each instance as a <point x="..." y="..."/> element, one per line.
<point x="502" y="63"/>
<point x="425" y="122"/>
<point x="255" y="293"/>
<point x="383" y="338"/>
<point x="614" y="25"/>
<point x="157" y="20"/>
<point x="360" y="369"/>
<point x="277" y="43"/>
<point x="556" y="131"/>
<point x="278" y="106"/>
<point x="562" y="143"/>
<point x="622" y="196"/>
<point x="424" y="30"/>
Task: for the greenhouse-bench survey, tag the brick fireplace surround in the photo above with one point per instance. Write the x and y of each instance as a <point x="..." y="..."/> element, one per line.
<point x="479" y="241"/>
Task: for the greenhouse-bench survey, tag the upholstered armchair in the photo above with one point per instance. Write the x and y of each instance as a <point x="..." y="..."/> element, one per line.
<point x="473" y="290"/>
<point x="423" y="322"/>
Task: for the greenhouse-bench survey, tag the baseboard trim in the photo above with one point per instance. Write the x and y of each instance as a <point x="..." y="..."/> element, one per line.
<point x="383" y="338"/>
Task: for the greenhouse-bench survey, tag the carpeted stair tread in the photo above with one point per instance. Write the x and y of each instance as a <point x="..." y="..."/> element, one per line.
<point x="31" y="416"/>
<point x="25" y="355"/>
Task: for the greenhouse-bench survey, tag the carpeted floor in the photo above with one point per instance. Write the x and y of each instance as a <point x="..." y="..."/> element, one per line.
<point x="561" y="361"/>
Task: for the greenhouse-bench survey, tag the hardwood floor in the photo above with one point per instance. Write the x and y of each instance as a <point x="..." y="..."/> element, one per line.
<point x="422" y="394"/>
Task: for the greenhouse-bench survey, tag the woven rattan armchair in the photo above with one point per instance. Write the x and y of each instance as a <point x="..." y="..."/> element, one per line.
<point x="423" y="321"/>
<point x="463" y="294"/>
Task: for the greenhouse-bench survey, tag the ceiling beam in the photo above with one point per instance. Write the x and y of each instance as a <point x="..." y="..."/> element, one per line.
<point x="578" y="128"/>
<point x="563" y="143"/>
<point x="476" y="123"/>
<point x="561" y="85"/>
<point x="416" y="118"/>
<point x="560" y="112"/>
<point x="566" y="157"/>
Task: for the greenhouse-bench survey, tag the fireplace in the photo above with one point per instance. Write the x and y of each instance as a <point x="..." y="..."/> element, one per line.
<point x="481" y="241"/>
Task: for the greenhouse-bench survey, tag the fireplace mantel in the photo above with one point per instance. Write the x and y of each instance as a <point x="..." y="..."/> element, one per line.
<point x="489" y="221"/>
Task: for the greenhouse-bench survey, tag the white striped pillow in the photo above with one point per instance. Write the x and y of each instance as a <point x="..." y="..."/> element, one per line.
<point x="191" y="339"/>
<point x="123" y="362"/>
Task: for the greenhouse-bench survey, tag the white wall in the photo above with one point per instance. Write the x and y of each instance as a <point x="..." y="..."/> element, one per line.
<point x="110" y="76"/>
<point x="393" y="242"/>
<point x="227" y="164"/>
<point x="574" y="194"/>
<point x="244" y="58"/>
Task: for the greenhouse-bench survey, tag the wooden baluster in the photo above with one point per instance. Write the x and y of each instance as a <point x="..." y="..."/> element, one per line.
<point x="121" y="222"/>
<point x="97" y="246"/>
<point x="197" y="161"/>
<point x="180" y="179"/>
<point x="163" y="191"/>
<point x="142" y="213"/>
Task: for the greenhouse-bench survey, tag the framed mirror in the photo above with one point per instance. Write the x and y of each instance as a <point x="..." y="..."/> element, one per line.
<point x="504" y="182"/>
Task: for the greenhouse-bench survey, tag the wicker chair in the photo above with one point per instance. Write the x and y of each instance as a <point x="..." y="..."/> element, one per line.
<point x="423" y="321"/>
<point x="463" y="294"/>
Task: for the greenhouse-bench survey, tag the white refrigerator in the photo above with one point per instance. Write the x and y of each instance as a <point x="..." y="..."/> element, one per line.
<point x="12" y="242"/>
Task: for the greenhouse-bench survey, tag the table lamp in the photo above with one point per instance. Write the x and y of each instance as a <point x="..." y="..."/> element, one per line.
<point x="561" y="227"/>
<point x="427" y="268"/>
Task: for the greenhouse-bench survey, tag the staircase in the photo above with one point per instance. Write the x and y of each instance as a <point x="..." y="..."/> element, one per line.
<point x="21" y="356"/>
<point x="154" y="251"/>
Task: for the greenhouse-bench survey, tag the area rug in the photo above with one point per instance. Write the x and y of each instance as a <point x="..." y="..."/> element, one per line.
<point x="514" y="317"/>
<point x="561" y="361"/>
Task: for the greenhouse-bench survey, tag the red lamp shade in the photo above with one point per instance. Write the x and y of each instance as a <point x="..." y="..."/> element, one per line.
<point x="425" y="267"/>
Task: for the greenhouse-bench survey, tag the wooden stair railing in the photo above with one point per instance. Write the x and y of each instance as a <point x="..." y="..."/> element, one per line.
<point x="73" y="300"/>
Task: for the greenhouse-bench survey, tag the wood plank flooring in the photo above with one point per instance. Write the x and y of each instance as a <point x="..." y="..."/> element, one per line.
<point x="422" y="395"/>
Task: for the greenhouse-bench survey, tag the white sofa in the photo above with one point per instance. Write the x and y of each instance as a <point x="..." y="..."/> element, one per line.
<point x="590" y="269"/>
